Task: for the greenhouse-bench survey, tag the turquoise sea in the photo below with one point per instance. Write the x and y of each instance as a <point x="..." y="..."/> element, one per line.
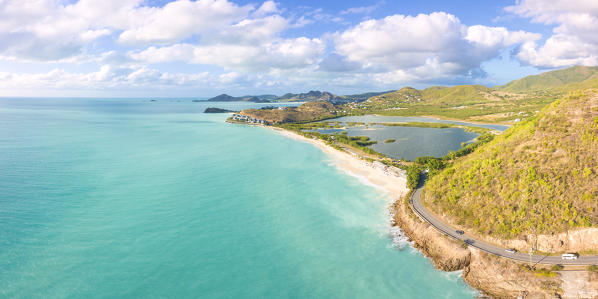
<point x="127" y="198"/>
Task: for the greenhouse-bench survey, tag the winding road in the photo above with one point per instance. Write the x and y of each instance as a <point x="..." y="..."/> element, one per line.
<point x="425" y="214"/>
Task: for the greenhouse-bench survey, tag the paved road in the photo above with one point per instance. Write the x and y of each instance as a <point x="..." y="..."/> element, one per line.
<point x="419" y="208"/>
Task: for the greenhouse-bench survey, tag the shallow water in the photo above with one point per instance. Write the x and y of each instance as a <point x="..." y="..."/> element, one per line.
<point x="132" y="198"/>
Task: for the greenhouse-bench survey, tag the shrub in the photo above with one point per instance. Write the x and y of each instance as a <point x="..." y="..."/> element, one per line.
<point x="413" y="174"/>
<point x="557" y="267"/>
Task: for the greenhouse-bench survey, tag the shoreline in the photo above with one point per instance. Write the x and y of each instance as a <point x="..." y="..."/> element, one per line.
<point x="488" y="275"/>
<point x="395" y="186"/>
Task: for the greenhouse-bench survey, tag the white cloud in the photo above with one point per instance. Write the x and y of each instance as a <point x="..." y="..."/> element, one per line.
<point x="181" y="19"/>
<point x="574" y="39"/>
<point x="105" y="78"/>
<point x="268" y="7"/>
<point x="65" y="30"/>
<point x="362" y="9"/>
<point x="283" y="54"/>
<point x="427" y="45"/>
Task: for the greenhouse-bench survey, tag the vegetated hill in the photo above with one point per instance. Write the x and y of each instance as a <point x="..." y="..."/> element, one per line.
<point x="310" y="111"/>
<point x="554" y="80"/>
<point x="361" y="96"/>
<point x="311" y="96"/>
<point x="539" y="177"/>
<point x="460" y="95"/>
<point x="267" y="98"/>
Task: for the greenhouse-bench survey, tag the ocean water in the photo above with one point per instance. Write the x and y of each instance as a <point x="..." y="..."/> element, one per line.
<point x="139" y="199"/>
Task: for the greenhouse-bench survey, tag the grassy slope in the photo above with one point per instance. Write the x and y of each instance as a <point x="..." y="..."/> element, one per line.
<point x="310" y="111"/>
<point x="515" y="100"/>
<point x="540" y="176"/>
<point x="468" y="102"/>
<point x="553" y="80"/>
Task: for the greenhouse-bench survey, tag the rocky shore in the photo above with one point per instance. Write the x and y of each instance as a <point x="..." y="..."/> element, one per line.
<point x="495" y="277"/>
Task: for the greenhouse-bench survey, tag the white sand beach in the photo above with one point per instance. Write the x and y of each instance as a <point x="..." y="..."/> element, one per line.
<point x="377" y="174"/>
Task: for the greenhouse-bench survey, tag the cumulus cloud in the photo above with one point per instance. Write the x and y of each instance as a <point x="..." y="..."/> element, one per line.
<point x="410" y="47"/>
<point x="282" y="54"/>
<point x="181" y="19"/>
<point x="256" y="44"/>
<point x="574" y="39"/>
<point x="51" y="30"/>
<point x="106" y="77"/>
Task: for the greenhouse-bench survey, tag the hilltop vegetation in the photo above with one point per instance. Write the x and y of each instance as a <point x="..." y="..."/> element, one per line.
<point x="555" y="80"/>
<point x="311" y="96"/>
<point x="467" y="102"/>
<point x="307" y="112"/>
<point x="539" y="177"/>
<point x="266" y="98"/>
<point x="514" y="101"/>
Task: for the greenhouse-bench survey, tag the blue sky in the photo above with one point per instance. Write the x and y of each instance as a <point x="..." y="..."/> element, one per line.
<point x="201" y="48"/>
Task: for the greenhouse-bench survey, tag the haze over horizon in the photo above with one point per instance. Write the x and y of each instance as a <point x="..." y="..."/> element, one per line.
<point x="182" y="48"/>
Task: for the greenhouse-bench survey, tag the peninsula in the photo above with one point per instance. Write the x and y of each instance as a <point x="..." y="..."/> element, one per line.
<point x="484" y="208"/>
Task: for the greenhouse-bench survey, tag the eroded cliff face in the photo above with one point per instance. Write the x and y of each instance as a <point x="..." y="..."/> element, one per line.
<point x="494" y="276"/>
<point x="447" y="255"/>
<point x="580" y="240"/>
<point x="501" y="278"/>
<point x="579" y="284"/>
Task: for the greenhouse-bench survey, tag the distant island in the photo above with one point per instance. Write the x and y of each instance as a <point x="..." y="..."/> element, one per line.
<point x="216" y="110"/>
<point x="255" y="99"/>
<point x="311" y="96"/>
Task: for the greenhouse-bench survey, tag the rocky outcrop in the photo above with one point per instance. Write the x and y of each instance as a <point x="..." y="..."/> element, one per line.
<point x="256" y="99"/>
<point x="579" y="240"/>
<point x="501" y="278"/>
<point x="216" y="110"/>
<point x="447" y="254"/>
<point x="494" y="276"/>
<point x="579" y="284"/>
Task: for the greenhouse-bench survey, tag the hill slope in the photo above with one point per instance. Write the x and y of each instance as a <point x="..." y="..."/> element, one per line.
<point x="256" y="99"/>
<point x="456" y="95"/>
<point x="311" y="96"/>
<point x="552" y="80"/>
<point x="309" y="111"/>
<point x="539" y="177"/>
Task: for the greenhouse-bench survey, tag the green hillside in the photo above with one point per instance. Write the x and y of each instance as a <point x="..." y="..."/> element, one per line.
<point x="540" y="176"/>
<point x="467" y="102"/>
<point x="554" y="80"/>
<point x="462" y="94"/>
<point x="512" y="102"/>
<point x="310" y="111"/>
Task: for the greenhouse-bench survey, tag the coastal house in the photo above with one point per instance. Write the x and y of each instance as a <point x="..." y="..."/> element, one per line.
<point x="248" y="119"/>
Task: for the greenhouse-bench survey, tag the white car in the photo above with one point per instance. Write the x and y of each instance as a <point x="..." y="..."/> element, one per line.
<point x="511" y="250"/>
<point x="569" y="256"/>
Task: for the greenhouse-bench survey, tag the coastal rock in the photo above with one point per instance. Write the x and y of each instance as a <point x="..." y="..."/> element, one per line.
<point x="216" y="110"/>
<point x="496" y="277"/>
<point x="578" y="240"/>
<point x="447" y="255"/>
<point x="255" y="99"/>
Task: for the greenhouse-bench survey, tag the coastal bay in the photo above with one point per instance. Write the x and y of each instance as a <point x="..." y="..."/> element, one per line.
<point x="160" y="199"/>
